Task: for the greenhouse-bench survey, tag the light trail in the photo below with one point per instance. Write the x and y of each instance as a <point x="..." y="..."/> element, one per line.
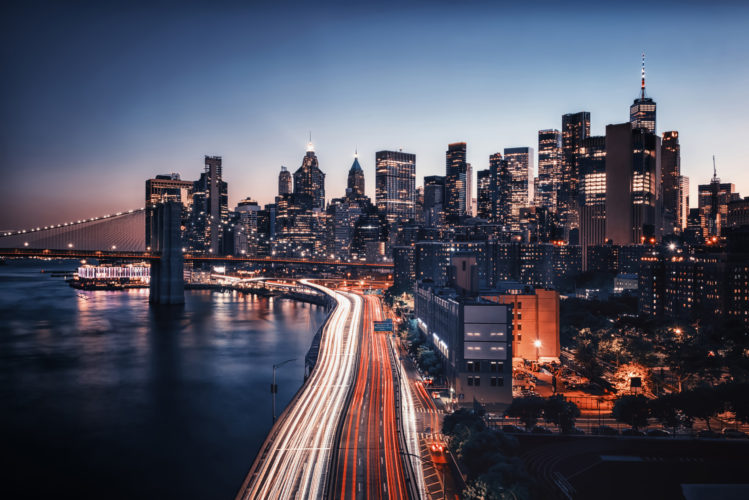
<point x="294" y="460"/>
<point x="370" y="463"/>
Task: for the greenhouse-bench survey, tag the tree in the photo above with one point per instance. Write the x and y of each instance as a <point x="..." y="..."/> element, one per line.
<point x="702" y="403"/>
<point x="586" y="356"/>
<point x="527" y="409"/>
<point x="632" y="410"/>
<point x="561" y="412"/>
<point x="665" y="410"/>
<point x="736" y="396"/>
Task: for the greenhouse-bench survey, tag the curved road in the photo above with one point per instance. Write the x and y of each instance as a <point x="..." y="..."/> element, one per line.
<point x="294" y="460"/>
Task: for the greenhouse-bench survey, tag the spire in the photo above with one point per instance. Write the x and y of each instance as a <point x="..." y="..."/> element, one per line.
<point x="356" y="153"/>
<point x="310" y="146"/>
<point x="642" y="91"/>
<point x="715" y="171"/>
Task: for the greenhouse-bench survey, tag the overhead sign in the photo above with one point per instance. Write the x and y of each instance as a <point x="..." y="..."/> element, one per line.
<point x="383" y="326"/>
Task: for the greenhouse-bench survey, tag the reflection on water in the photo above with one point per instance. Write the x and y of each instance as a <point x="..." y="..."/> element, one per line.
<point x="105" y="396"/>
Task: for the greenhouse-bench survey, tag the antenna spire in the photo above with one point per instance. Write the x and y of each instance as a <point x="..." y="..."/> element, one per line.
<point x="310" y="147"/>
<point x="715" y="170"/>
<point x="642" y="85"/>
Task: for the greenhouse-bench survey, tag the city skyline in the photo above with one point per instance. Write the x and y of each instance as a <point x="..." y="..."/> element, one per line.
<point x="91" y="141"/>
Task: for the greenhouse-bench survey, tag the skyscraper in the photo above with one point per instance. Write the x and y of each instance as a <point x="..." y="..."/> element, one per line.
<point x="592" y="196"/>
<point x="455" y="181"/>
<point x="713" y="202"/>
<point x="434" y="200"/>
<point x="356" y="177"/>
<point x="670" y="174"/>
<point x="469" y="190"/>
<point x="501" y="188"/>
<point x="520" y="168"/>
<point x="484" y="198"/>
<point x="549" y="167"/>
<point x="210" y="208"/>
<point x="309" y="181"/>
<point x="575" y="128"/>
<point x="166" y="188"/>
<point x="683" y="211"/>
<point x="633" y="203"/>
<point x="642" y="111"/>
<point x="284" y="182"/>
<point x="395" y="183"/>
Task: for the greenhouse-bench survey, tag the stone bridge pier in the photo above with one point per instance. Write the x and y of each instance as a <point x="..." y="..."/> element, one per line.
<point x="167" y="273"/>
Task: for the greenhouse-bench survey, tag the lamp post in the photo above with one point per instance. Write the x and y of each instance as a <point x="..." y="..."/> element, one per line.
<point x="537" y="344"/>
<point x="274" y="386"/>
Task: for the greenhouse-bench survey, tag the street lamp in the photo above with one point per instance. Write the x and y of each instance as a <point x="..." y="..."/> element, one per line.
<point x="537" y="345"/>
<point x="274" y="387"/>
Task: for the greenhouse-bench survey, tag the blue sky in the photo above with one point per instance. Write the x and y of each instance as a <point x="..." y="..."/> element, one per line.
<point x="98" y="98"/>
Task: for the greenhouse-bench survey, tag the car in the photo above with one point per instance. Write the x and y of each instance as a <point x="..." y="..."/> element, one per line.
<point x="632" y="432"/>
<point x="540" y="430"/>
<point x="734" y="434"/>
<point x="605" y="430"/>
<point x="708" y="434"/>
<point x="576" y="431"/>
<point x="512" y="429"/>
<point x="660" y="433"/>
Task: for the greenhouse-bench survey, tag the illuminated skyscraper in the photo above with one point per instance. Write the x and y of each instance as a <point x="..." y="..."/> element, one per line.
<point x="309" y="181"/>
<point x="356" y="177"/>
<point x="166" y="188"/>
<point x="575" y="128"/>
<point x="501" y="188"/>
<point x="520" y="168"/>
<point x="395" y="183"/>
<point x="713" y="202"/>
<point x="549" y="168"/>
<point x="670" y="174"/>
<point x="633" y="202"/>
<point x="284" y="182"/>
<point x="642" y="111"/>
<point x="469" y="190"/>
<point x="683" y="211"/>
<point x="210" y="208"/>
<point x="484" y="198"/>
<point x="592" y="198"/>
<point x="455" y="181"/>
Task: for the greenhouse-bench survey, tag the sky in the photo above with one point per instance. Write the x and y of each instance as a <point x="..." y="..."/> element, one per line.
<point x="99" y="96"/>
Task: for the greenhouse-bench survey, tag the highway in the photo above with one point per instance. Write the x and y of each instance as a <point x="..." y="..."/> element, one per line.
<point x="294" y="460"/>
<point x="370" y="463"/>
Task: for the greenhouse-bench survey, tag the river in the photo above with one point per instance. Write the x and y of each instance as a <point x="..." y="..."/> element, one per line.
<point x="104" y="396"/>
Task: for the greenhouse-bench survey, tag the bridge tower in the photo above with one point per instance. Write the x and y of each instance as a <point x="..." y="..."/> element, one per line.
<point x="167" y="275"/>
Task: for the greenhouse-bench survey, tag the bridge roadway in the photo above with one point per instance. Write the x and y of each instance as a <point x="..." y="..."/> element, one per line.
<point x="370" y="464"/>
<point x="294" y="460"/>
<point x="114" y="254"/>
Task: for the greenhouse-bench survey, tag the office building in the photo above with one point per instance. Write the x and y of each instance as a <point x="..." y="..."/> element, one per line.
<point x="395" y="183"/>
<point x="592" y="194"/>
<point x="285" y="185"/>
<point x="713" y="202"/>
<point x="472" y="337"/>
<point x="642" y="111"/>
<point x="456" y="180"/>
<point x="484" y="198"/>
<point x="309" y="182"/>
<point x="404" y="270"/>
<point x="520" y="167"/>
<point x="549" y="168"/>
<point x="165" y="188"/>
<point x="670" y="177"/>
<point x="356" y="177"/>
<point x="633" y="203"/>
<point x="575" y="128"/>
<point x="434" y="200"/>
<point x="683" y="208"/>
<point x="501" y="188"/>
<point x="210" y="208"/>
